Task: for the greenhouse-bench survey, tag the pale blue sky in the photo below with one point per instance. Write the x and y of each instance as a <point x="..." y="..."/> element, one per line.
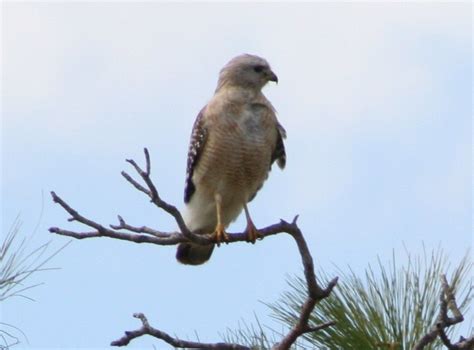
<point x="376" y="100"/>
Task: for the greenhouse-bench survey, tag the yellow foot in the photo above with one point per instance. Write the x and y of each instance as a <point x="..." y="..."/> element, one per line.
<point x="252" y="232"/>
<point x="220" y="235"/>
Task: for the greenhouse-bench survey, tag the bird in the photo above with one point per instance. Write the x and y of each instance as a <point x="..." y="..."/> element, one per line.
<point x="235" y="139"/>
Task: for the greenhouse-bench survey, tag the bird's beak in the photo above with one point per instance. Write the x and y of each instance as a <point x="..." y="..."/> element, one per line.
<point x="272" y="77"/>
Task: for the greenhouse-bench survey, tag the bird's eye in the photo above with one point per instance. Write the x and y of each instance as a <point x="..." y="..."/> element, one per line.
<point x="258" y="68"/>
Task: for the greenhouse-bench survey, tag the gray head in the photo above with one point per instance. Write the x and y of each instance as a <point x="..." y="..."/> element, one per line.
<point x="247" y="71"/>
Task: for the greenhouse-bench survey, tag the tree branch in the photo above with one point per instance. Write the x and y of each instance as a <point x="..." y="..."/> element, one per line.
<point x="144" y="234"/>
<point x="315" y="292"/>
<point x="151" y="235"/>
<point x="142" y="229"/>
<point x="447" y="303"/>
<point x="152" y="192"/>
<point x="320" y="327"/>
<point x="146" y="329"/>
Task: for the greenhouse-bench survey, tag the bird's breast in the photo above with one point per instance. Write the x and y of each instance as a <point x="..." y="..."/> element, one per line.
<point x="237" y="156"/>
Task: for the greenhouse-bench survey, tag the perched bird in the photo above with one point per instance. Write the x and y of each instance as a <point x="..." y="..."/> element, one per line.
<point x="235" y="140"/>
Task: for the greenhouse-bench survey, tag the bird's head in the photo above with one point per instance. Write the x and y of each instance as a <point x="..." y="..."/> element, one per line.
<point x="247" y="71"/>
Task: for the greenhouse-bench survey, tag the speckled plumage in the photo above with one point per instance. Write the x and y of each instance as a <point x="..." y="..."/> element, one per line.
<point x="235" y="139"/>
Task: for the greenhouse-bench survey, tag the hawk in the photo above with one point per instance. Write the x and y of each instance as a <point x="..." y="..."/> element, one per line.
<point x="234" y="142"/>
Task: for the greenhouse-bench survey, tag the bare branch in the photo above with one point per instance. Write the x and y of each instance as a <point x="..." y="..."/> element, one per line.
<point x="102" y="231"/>
<point x="135" y="183"/>
<point x="148" y="162"/>
<point x="450" y="303"/>
<point x="444" y="338"/>
<point x="144" y="234"/>
<point x="447" y="303"/>
<point x="320" y="327"/>
<point x="142" y="229"/>
<point x="157" y="237"/>
<point x="464" y="344"/>
<point x="152" y="192"/>
<point x="146" y="329"/>
<point x="315" y="294"/>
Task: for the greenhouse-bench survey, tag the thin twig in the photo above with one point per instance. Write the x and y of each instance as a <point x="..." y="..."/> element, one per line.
<point x="142" y="229"/>
<point x="320" y="327"/>
<point x="152" y="192"/>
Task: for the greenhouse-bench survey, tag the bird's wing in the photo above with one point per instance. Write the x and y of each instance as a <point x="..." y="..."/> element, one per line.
<point x="196" y="146"/>
<point x="279" y="153"/>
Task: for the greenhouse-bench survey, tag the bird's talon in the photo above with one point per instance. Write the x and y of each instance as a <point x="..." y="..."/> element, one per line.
<point x="220" y="235"/>
<point x="252" y="234"/>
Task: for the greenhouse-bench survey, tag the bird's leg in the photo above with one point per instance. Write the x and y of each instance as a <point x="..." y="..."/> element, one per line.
<point x="219" y="233"/>
<point x="251" y="230"/>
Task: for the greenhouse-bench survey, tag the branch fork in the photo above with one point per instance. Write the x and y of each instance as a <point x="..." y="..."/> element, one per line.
<point x="447" y="303"/>
<point x="143" y="234"/>
<point x="315" y="293"/>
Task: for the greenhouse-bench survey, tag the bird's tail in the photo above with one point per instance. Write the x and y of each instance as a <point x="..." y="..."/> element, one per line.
<point x="193" y="254"/>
